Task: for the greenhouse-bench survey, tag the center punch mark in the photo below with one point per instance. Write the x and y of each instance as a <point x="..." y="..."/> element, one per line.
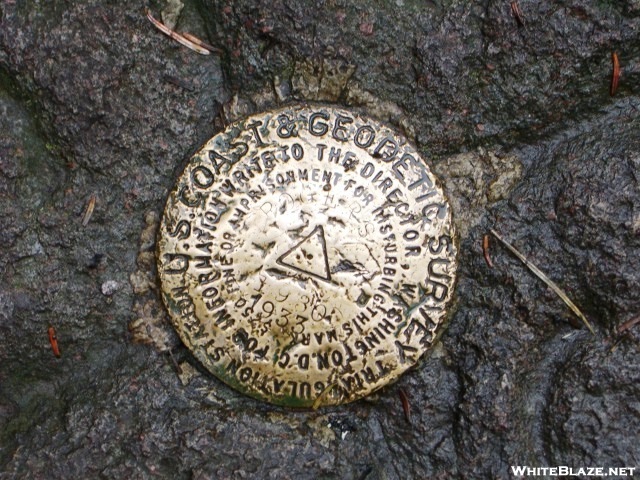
<point x="309" y="256"/>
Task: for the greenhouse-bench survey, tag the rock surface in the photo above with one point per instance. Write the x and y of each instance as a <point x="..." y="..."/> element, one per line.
<point x="516" y="120"/>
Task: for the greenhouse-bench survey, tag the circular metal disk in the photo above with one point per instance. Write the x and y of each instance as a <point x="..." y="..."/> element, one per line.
<point x="306" y="256"/>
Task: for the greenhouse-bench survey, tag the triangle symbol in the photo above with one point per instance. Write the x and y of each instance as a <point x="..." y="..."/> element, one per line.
<point x="309" y="256"/>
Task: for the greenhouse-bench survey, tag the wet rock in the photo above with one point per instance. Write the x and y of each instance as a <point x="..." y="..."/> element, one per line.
<point x="450" y="66"/>
<point x="599" y="395"/>
<point x="325" y="81"/>
<point x="171" y="13"/>
<point x="473" y="180"/>
<point x="520" y="345"/>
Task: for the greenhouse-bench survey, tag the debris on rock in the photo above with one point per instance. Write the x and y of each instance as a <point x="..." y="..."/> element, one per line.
<point x="110" y="287"/>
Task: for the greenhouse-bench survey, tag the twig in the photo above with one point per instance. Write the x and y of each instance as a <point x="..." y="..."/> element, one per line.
<point x="515" y="10"/>
<point x="628" y="324"/>
<point x="546" y="280"/>
<point x="615" y="75"/>
<point x="176" y="36"/>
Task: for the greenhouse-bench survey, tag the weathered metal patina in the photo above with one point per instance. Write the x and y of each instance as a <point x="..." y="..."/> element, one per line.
<point x="307" y="256"/>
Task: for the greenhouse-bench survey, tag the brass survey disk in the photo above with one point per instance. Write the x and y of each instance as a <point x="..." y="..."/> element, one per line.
<point x="306" y="256"/>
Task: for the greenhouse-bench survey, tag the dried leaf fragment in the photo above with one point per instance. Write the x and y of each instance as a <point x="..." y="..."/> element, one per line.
<point x="485" y="251"/>
<point x="89" y="211"/>
<point x="53" y="340"/>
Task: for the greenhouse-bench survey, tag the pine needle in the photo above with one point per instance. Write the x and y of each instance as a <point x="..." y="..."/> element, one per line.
<point x="323" y="395"/>
<point x="178" y="37"/>
<point x="546" y="280"/>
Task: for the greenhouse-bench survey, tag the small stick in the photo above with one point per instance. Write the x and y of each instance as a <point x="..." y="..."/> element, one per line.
<point x="485" y="250"/>
<point x="515" y="10"/>
<point x="176" y="36"/>
<point x="175" y="363"/>
<point x="89" y="211"/>
<point x="615" y="76"/>
<point x="546" y="280"/>
<point x="53" y="340"/>
<point x="406" y="408"/>
<point x="628" y="324"/>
